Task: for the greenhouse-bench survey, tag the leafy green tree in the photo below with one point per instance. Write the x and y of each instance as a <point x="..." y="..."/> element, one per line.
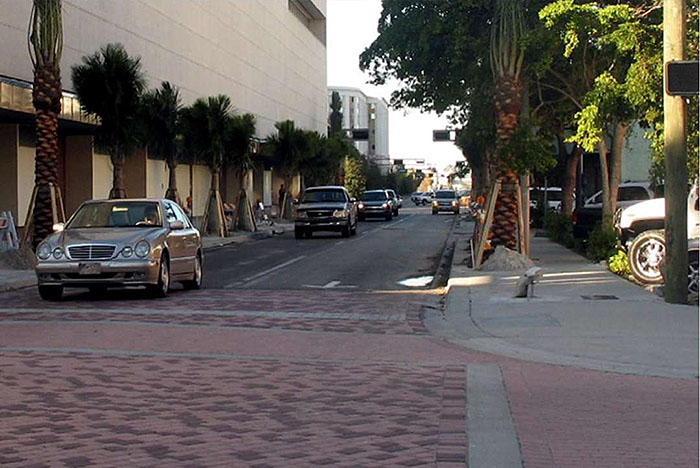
<point x="288" y="149"/>
<point x="161" y="112"/>
<point x="612" y="47"/>
<point x="45" y="49"/>
<point x="355" y="179"/>
<point x="206" y="127"/>
<point x="109" y="85"/>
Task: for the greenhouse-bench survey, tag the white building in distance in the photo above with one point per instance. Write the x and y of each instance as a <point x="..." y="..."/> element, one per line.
<point x="362" y="112"/>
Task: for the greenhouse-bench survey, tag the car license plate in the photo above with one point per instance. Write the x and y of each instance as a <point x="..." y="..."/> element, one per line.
<point x="89" y="269"/>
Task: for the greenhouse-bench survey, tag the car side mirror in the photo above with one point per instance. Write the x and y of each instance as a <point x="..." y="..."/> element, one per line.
<point x="177" y="225"/>
<point x="58" y="227"/>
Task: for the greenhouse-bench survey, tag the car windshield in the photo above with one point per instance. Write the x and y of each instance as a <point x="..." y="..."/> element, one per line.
<point x="445" y="194"/>
<point x="117" y="215"/>
<point x="373" y="196"/>
<point x="319" y="196"/>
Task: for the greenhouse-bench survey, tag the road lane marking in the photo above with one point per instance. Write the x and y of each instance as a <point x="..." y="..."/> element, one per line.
<point x="329" y="285"/>
<point x="265" y="272"/>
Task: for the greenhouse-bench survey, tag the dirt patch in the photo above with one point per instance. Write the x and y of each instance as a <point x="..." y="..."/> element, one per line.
<point x="504" y="259"/>
<point x="19" y="259"/>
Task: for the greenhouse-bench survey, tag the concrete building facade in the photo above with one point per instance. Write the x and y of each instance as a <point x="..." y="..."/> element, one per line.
<point x="268" y="56"/>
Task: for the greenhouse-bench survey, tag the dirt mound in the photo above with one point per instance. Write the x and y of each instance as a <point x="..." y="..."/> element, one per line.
<point x="504" y="259"/>
<point x="18" y="259"/>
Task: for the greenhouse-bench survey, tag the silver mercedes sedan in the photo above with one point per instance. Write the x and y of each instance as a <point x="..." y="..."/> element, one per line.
<point x="117" y="243"/>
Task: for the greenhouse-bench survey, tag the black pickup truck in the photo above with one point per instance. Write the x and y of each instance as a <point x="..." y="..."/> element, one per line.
<point x="586" y="217"/>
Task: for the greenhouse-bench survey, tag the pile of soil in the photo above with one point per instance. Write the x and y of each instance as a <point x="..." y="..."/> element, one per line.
<point x="17" y="259"/>
<point x="504" y="259"/>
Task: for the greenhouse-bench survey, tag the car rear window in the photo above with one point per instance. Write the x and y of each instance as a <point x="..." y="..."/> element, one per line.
<point x="373" y="196"/>
<point x="446" y="194"/>
<point x="316" y="196"/>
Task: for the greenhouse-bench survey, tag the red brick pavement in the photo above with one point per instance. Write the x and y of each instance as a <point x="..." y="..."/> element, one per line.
<point x="315" y="396"/>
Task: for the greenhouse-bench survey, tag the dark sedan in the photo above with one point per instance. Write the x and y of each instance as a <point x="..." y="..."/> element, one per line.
<point x="375" y="203"/>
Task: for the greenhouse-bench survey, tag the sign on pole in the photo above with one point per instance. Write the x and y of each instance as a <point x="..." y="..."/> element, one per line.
<point x="682" y="77"/>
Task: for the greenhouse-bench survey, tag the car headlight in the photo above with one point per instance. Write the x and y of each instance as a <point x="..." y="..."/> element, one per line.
<point x="361" y="206"/>
<point x="142" y="249"/>
<point x="301" y="214"/>
<point x="43" y="251"/>
<point x="341" y="214"/>
<point x="127" y="252"/>
<point x="57" y="253"/>
<point x="454" y="202"/>
<point x="384" y="205"/>
<point x="435" y="203"/>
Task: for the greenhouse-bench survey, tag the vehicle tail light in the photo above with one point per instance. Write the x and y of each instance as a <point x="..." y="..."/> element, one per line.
<point x="574" y="218"/>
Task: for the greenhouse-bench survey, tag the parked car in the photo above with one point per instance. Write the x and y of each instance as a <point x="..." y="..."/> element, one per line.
<point x="554" y="198"/>
<point x="394" y="201"/>
<point x="374" y="203"/>
<point x="116" y="243"/>
<point x="329" y="208"/>
<point x="640" y="230"/>
<point x="445" y="200"/>
<point x="591" y="213"/>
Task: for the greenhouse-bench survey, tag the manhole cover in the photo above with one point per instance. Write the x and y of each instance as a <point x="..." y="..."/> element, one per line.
<point x="600" y="297"/>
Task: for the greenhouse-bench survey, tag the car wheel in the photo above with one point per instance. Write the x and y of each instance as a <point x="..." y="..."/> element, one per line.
<point x="396" y="213"/>
<point x="434" y="212"/>
<point x="360" y="218"/>
<point x="693" y="273"/>
<point x="353" y="229"/>
<point x="308" y="234"/>
<point x="51" y="293"/>
<point x="388" y="216"/>
<point x="161" y="288"/>
<point x="298" y="233"/>
<point x="196" y="281"/>
<point x="646" y="255"/>
<point x="346" y="230"/>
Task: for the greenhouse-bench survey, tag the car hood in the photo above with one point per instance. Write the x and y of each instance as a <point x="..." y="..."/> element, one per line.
<point x="321" y="206"/>
<point x="125" y="236"/>
<point x="648" y="209"/>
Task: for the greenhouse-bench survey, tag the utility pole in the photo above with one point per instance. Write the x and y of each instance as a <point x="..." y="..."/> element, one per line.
<point x="676" y="184"/>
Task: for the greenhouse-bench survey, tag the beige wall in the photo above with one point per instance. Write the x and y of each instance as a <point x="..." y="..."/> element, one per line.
<point x="257" y="52"/>
<point x="79" y="171"/>
<point x="183" y="181"/>
<point x="200" y="189"/>
<point x="101" y="176"/>
<point x="156" y="178"/>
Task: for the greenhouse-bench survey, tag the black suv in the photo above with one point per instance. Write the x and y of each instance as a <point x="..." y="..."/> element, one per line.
<point x="325" y="209"/>
<point x="375" y="203"/>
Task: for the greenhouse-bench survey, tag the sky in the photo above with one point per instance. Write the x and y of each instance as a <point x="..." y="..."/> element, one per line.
<point x="351" y="27"/>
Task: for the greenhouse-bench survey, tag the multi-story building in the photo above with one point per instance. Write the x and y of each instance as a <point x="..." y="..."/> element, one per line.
<point x="268" y="56"/>
<point x="362" y="112"/>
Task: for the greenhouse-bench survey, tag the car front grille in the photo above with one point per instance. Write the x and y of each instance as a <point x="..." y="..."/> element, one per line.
<point x="91" y="252"/>
<point x="319" y="213"/>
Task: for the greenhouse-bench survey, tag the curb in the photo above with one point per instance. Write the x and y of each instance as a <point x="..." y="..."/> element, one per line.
<point x="444" y="268"/>
<point x="17" y="284"/>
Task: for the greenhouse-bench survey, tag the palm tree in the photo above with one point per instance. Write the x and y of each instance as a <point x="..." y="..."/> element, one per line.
<point x="206" y="124"/>
<point x="238" y="150"/>
<point x="161" y="112"/>
<point x="288" y="148"/>
<point x="45" y="47"/>
<point x="109" y="85"/>
<point x="507" y="55"/>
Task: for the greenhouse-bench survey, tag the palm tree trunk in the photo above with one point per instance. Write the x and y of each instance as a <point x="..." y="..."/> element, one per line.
<point x="118" y="191"/>
<point x="505" y="221"/>
<point x="172" y="193"/>
<point x="47" y="102"/>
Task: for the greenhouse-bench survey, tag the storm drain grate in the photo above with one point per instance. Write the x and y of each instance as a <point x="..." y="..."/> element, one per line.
<point x="600" y="297"/>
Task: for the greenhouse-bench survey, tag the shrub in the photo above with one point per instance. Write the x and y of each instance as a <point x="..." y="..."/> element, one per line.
<point x="602" y="243"/>
<point x="619" y="264"/>
<point x="559" y="228"/>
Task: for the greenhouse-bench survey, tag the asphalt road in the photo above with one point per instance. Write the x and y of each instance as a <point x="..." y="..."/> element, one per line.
<point x="381" y="255"/>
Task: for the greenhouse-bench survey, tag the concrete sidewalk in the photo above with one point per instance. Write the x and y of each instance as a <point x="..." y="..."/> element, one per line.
<point x="11" y="280"/>
<point x="581" y="315"/>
